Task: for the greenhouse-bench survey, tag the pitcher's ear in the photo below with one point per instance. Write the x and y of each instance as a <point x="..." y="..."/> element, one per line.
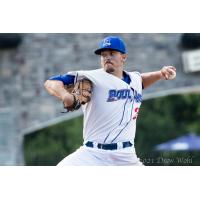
<point x="125" y="57"/>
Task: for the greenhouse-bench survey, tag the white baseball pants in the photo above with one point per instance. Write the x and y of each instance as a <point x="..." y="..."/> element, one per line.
<point x="87" y="156"/>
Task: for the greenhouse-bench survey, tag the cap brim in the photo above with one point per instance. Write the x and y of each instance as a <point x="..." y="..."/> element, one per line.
<point x="98" y="51"/>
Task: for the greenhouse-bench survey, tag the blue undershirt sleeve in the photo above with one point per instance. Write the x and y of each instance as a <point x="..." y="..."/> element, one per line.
<point x="65" y="78"/>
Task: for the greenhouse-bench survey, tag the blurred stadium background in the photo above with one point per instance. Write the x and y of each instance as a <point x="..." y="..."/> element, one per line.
<point x="34" y="132"/>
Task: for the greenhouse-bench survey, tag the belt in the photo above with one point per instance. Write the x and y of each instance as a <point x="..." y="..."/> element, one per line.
<point x="112" y="146"/>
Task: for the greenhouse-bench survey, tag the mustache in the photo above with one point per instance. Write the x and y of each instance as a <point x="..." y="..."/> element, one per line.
<point x="108" y="62"/>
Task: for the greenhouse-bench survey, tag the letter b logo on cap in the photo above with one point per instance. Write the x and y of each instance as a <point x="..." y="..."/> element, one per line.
<point x="106" y="42"/>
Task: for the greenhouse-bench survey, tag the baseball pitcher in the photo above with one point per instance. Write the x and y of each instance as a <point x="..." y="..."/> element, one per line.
<point x="110" y="98"/>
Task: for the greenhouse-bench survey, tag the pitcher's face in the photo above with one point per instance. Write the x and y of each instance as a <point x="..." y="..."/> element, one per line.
<point x="112" y="61"/>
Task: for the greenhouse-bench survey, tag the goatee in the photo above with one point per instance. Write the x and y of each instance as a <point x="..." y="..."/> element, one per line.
<point x="110" y="70"/>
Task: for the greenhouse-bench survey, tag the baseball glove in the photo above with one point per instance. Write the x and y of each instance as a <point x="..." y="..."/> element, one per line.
<point x="81" y="92"/>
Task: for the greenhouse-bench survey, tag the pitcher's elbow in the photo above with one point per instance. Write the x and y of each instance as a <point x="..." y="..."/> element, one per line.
<point x="46" y="84"/>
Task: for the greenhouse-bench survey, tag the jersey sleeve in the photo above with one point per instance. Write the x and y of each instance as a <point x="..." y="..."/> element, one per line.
<point x="67" y="79"/>
<point x="72" y="77"/>
<point x="138" y="76"/>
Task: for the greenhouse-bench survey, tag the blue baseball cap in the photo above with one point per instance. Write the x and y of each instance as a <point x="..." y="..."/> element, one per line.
<point x="111" y="43"/>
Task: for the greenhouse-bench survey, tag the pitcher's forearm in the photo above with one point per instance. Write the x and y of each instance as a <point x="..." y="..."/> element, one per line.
<point x="150" y="78"/>
<point x="56" y="88"/>
<point x="166" y="73"/>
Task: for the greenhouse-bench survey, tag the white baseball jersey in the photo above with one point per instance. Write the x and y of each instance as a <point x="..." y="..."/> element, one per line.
<point x="110" y="116"/>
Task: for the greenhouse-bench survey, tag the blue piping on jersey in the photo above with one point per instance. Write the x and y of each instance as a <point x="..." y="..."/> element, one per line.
<point x="142" y="86"/>
<point x="126" y="78"/>
<point x="117" y="125"/>
<point x="120" y="121"/>
<point x="123" y="111"/>
<point x="108" y="135"/>
<point x="125" y="125"/>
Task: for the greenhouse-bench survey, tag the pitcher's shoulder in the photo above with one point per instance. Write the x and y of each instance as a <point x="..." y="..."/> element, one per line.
<point x="135" y="73"/>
